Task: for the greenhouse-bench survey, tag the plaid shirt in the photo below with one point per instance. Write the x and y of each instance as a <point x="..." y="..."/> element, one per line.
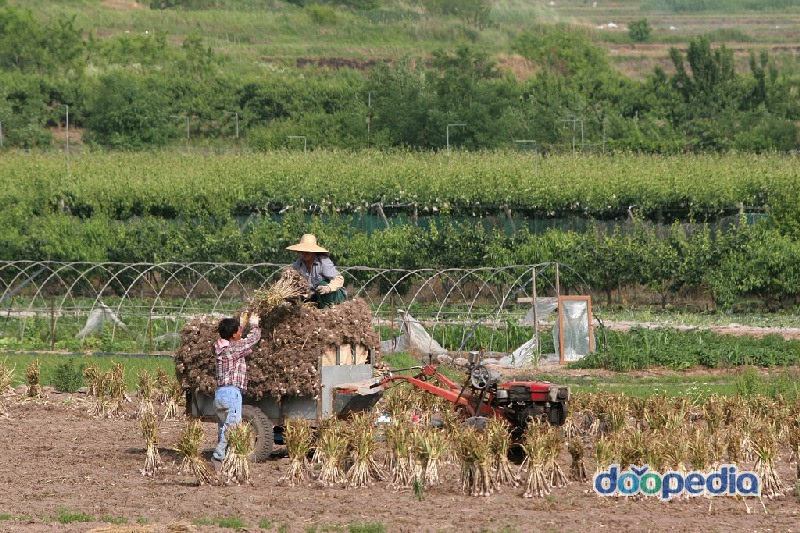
<point x="231" y="367"/>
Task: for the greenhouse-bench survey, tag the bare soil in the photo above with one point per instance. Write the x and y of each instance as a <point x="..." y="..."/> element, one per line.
<point x="738" y="330"/>
<point x="123" y="5"/>
<point x="59" y="459"/>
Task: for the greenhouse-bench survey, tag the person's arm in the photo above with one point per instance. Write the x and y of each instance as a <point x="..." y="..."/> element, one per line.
<point x="243" y="347"/>
<point x="329" y="272"/>
<point x="335" y="284"/>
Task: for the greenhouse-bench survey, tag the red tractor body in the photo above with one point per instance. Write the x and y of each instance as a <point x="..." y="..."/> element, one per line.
<point x="516" y="402"/>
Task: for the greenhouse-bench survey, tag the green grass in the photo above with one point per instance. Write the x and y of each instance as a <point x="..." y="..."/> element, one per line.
<point x="245" y="35"/>
<point x="114" y="519"/>
<point x="329" y="527"/>
<point x="367" y="527"/>
<point x="671" y="385"/>
<point x="236" y="523"/>
<point x="266" y="523"/>
<point x="406" y="360"/>
<point x="65" y="516"/>
<point x="747" y="382"/>
<point x="401" y="360"/>
<point x="15" y="518"/>
<point x="641" y="348"/>
<point x="784" y="380"/>
<point x="49" y="362"/>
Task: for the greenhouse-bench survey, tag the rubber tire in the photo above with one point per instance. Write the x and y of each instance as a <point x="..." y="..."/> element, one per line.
<point x="263" y="430"/>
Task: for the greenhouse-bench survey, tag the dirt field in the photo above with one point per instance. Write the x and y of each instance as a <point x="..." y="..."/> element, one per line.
<point x="59" y="460"/>
<point x="738" y="330"/>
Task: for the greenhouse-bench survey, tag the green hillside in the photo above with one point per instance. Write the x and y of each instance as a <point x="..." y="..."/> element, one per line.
<point x="257" y="29"/>
<point x="656" y="76"/>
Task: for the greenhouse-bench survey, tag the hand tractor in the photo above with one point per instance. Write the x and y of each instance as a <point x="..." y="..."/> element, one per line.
<point x="516" y="402"/>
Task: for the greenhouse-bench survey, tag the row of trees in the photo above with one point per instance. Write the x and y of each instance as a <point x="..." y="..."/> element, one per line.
<point x="140" y="91"/>
<point x="730" y="266"/>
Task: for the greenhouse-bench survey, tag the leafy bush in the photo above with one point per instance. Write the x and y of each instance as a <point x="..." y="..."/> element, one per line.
<point x="67" y="377"/>
<point x="639" y="30"/>
<point x="750" y="383"/>
<point x="321" y="15"/>
<point x="781" y="386"/>
<point x="130" y="112"/>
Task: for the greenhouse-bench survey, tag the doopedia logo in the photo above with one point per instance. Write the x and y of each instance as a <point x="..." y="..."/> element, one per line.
<point x="725" y="481"/>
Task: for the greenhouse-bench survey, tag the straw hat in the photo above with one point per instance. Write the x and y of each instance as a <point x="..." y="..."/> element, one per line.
<point x="308" y="243"/>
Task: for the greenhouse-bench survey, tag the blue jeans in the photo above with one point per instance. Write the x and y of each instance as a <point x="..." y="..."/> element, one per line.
<point x="228" y="406"/>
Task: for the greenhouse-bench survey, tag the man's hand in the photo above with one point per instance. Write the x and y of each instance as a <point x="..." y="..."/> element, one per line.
<point x="255" y="320"/>
<point x="323" y="289"/>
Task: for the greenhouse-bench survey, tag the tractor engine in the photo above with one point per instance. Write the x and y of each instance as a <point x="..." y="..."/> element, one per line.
<point x="522" y="401"/>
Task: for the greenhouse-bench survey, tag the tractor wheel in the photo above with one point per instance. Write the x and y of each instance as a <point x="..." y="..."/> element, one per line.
<point x="262" y="430"/>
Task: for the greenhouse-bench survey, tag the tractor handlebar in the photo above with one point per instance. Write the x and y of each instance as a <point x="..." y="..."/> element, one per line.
<point x="392" y="371"/>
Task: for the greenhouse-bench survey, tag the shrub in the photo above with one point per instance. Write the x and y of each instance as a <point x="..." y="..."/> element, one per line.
<point x="322" y="15"/>
<point x="67" y="377"/>
<point x="639" y="30"/>
<point x="750" y="383"/>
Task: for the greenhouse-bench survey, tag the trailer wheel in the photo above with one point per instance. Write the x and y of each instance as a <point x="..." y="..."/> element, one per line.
<point x="558" y="414"/>
<point x="263" y="431"/>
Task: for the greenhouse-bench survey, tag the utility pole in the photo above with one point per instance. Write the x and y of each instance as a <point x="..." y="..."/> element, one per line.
<point x="236" y="114"/>
<point x="604" y="134"/>
<point x="68" y="169"/>
<point x="575" y="121"/>
<point x="369" y="117"/>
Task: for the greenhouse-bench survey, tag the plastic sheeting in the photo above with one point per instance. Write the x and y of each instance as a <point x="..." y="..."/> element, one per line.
<point x="575" y="317"/>
<point x="97" y="319"/>
<point x="412" y="337"/>
<point x="545" y="307"/>
<point x="527" y="354"/>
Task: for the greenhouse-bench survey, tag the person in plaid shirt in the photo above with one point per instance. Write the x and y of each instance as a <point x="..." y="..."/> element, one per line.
<point x="230" y="351"/>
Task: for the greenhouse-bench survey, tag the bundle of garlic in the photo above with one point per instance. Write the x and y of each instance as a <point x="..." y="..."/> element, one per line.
<point x="285" y="361"/>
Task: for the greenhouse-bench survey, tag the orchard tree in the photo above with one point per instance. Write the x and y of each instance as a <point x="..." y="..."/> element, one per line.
<point x="28" y="46"/>
<point x="639" y="30"/>
<point x="126" y="111"/>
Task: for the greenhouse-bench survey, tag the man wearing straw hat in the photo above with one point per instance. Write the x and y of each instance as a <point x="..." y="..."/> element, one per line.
<point x="325" y="283"/>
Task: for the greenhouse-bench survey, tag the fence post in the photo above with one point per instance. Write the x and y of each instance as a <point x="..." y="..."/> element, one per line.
<point x="150" y="328"/>
<point x="52" y="322"/>
<point x="391" y="310"/>
<point x="535" y="317"/>
<point x="558" y="282"/>
<point x="507" y="211"/>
